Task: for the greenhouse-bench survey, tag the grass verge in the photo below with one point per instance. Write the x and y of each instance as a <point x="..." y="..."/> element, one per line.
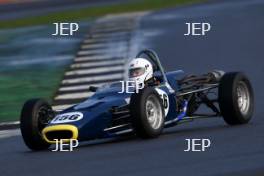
<point x="18" y="86"/>
<point x="73" y="15"/>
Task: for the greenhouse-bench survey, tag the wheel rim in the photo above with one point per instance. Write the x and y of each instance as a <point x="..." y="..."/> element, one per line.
<point x="243" y="97"/>
<point x="44" y="116"/>
<point x="154" y="112"/>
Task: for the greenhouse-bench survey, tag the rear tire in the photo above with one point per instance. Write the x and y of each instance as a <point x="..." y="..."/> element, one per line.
<point x="147" y="113"/>
<point x="236" y="99"/>
<point x="34" y="116"/>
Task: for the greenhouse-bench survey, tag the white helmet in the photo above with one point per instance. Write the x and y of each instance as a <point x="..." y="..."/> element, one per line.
<point x="140" y="70"/>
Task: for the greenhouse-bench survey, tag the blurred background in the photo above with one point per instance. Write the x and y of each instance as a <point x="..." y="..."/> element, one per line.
<point x="32" y="60"/>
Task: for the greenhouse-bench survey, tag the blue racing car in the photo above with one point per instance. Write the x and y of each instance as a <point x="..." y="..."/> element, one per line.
<point x="146" y="102"/>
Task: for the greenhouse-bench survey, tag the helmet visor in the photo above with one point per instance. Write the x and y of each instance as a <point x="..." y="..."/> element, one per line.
<point x="135" y="72"/>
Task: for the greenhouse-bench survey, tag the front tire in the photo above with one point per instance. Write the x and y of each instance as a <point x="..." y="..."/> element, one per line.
<point x="236" y="99"/>
<point x="147" y="113"/>
<point x="34" y="117"/>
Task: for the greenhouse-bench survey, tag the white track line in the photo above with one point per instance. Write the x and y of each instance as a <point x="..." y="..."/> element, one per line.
<point x="97" y="78"/>
<point x="91" y="41"/>
<point x="9" y="133"/>
<point x="91" y="46"/>
<point x="98" y="64"/>
<point x="10" y="123"/>
<point x="106" y="35"/>
<point x="95" y="70"/>
<point x="104" y="51"/>
<point x="102" y="40"/>
<point x="81" y="87"/>
<point x="99" y="51"/>
<point x="114" y="28"/>
<point x="98" y="58"/>
<point x="111" y="28"/>
<point x="74" y="96"/>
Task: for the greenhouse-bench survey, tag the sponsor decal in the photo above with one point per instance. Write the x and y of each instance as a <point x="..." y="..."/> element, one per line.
<point x="67" y="117"/>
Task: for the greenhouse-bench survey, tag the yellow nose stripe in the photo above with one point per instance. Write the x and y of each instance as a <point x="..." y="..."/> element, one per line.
<point x="53" y="128"/>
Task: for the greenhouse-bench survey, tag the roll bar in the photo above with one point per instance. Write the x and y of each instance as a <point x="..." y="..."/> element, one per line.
<point x="153" y="56"/>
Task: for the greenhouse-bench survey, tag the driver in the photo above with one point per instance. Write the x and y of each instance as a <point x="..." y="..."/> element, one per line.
<point x="141" y="72"/>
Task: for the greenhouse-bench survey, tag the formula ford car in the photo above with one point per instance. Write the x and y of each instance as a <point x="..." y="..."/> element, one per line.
<point x="165" y="100"/>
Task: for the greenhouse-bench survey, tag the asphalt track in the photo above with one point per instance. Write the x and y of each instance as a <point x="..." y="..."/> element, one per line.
<point x="234" y="43"/>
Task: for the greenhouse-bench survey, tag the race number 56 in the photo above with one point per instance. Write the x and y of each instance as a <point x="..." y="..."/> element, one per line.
<point x="165" y="100"/>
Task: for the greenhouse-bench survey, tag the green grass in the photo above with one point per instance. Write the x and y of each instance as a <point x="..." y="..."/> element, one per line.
<point x="86" y="13"/>
<point x="20" y="85"/>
